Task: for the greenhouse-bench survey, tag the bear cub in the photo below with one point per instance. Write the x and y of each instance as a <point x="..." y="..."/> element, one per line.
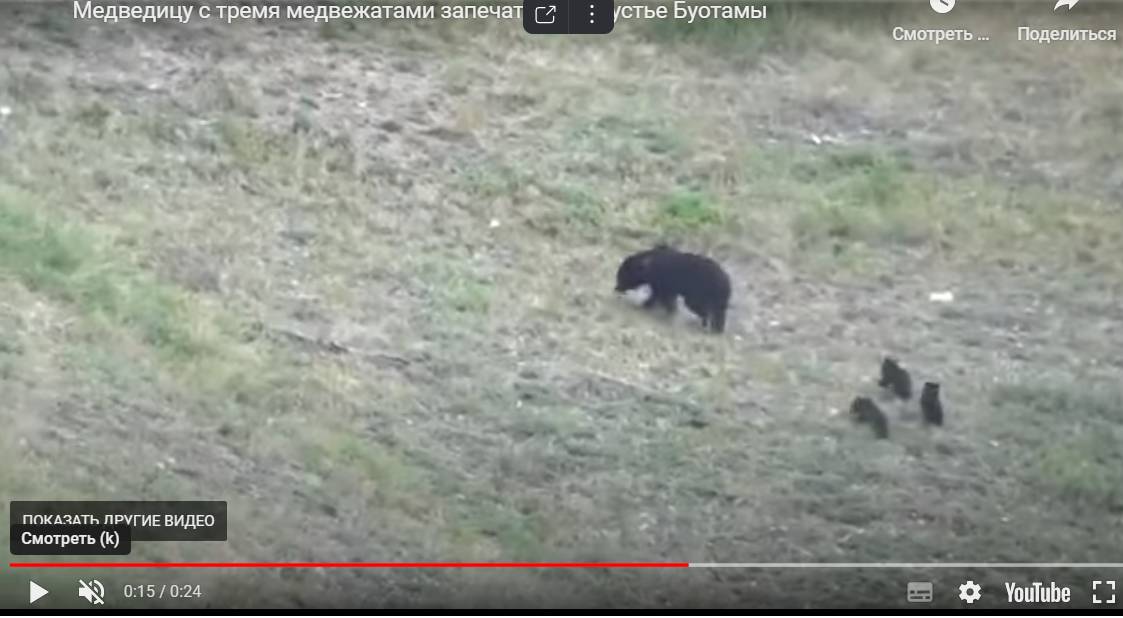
<point x="703" y="283"/>
<point x="896" y="379"/>
<point x="930" y="405"/>
<point x="864" y="411"/>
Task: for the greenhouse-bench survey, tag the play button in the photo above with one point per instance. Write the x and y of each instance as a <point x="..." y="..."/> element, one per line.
<point x="36" y="592"/>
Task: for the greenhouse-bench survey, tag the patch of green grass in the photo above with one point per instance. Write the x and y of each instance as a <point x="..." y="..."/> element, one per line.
<point x="870" y="178"/>
<point x="375" y="462"/>
<point x="867" y="198"/>
<point x="1075" y="435"/>
<point x="94" y="115"/>
<point x="468" y="295"/>
<point x="689" y="210"/>
<point x="67" y="263"/>
<point x="386" y="477"/>
<point x="849" y="205"/>
<point x="1087" y="469"/>
<point x="452" y="285"/>
<point x="631" y="134"/>
<point x="522" y="536"/>
<point x="580" y="207"/>
<point x="249" y="147"/>
<point x="287" y="159"/>
<point x="493" y="182"/>
<point x="1063" y="402"/>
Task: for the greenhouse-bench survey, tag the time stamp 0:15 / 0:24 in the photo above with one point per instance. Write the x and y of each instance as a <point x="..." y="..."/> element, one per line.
<point x="162" y="591"/>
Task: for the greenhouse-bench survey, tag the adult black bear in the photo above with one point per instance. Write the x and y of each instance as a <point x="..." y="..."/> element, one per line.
<point x="702" y="282"/>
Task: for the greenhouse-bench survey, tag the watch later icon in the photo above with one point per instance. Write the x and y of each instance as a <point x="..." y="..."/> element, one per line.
<point x="942" y="6"/>
<point x="1103" y="587"/>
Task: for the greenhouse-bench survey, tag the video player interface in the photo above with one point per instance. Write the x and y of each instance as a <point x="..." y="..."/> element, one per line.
<point x="561" y="304"/>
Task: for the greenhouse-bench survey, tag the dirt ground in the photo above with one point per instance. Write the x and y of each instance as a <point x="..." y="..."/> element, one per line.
<point x="356" y="279"/>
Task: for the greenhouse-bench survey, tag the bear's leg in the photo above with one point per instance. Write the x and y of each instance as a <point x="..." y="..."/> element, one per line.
<point x="717" y="320"/>
<point x="701" y="309"/>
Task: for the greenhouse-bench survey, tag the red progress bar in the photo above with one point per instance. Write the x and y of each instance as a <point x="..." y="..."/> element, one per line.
<point x="349" y="565"/>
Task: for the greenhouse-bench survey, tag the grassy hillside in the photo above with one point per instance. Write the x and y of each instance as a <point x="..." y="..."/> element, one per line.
<point x="356" y="279"/>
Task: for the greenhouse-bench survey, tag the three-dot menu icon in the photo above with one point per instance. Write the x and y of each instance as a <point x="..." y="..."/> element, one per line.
<point x="568" y="16"/>
<point x="591" y="16"/>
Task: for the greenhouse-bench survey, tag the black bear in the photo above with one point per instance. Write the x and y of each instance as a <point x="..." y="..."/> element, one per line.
<point x="864" y="410"/>
<point x="930" y="404"/>
<point x="896" y="379"/>
<point x="702" y="282"/>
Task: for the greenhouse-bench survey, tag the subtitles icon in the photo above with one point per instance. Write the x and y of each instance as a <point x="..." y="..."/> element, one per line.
<point x="919" y="592"/>
<point x="569" y="16"/>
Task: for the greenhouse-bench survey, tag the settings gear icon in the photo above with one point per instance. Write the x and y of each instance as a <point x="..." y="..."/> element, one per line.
<point x="970" y="592"/>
